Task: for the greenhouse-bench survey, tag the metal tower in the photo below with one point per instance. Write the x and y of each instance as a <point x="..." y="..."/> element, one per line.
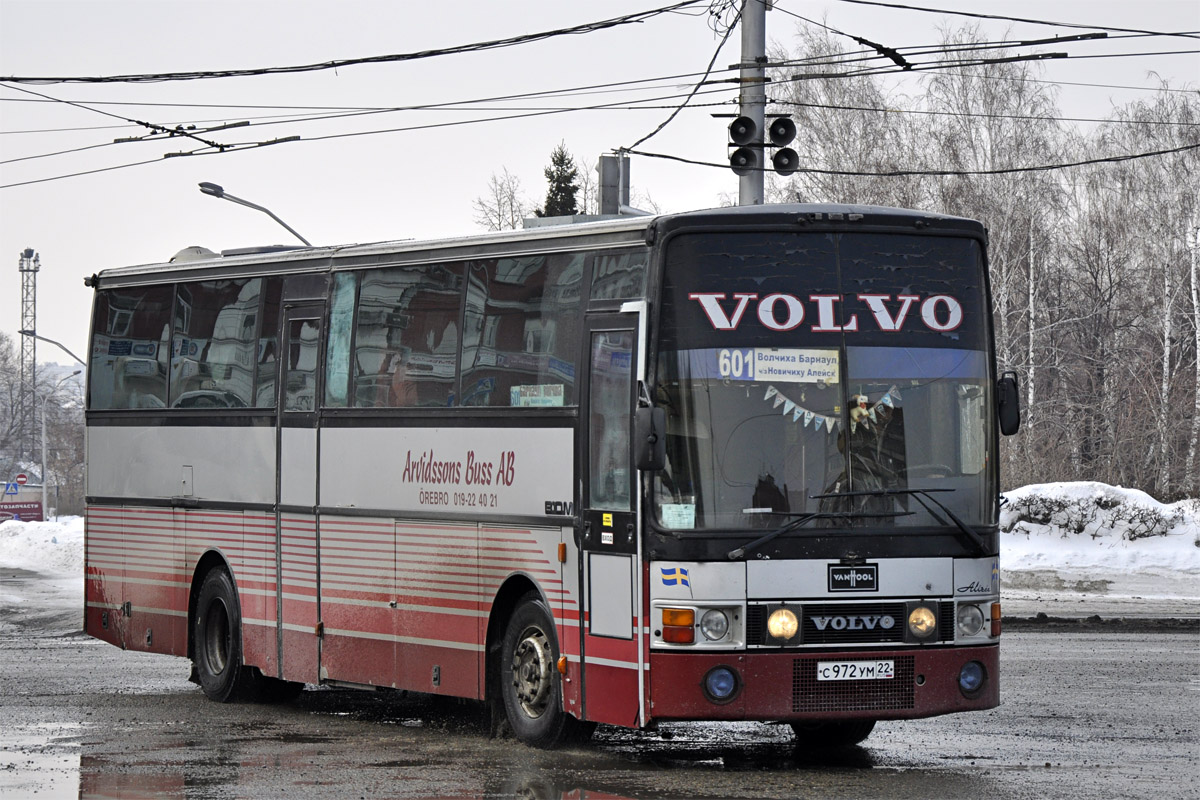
<point x="27" y="392"/>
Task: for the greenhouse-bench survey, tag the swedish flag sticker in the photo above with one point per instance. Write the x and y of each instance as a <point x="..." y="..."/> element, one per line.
<point x="675" y="576"/>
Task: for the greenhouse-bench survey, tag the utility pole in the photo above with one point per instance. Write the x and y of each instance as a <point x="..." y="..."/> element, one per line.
<point x="26" y="414"/>
<point x="753" y="96"/>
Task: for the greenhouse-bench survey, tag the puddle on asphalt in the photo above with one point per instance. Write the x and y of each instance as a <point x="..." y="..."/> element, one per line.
<point x="41" y="759"/>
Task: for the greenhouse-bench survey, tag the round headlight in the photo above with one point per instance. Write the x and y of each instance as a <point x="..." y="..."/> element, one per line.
<point x="714" y="624"/>
<point x="970" y="677"/>
<point x="970" y="620"/>
<point x="922" y="622"/>
<point x="782" y="624"/>
<point x="720" y="684"/>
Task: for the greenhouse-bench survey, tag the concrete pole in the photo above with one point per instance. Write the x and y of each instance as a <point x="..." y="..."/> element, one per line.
<point x="753" y="98"/>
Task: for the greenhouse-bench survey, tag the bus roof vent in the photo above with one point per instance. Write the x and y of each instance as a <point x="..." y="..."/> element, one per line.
<point x="193" y="253"/>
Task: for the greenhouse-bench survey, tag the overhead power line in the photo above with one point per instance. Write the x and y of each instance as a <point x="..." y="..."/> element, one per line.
<point x="699" y="83"/>
<point x="936" y="172"/>
<point x="1006" y="18"/>
<point x="475" y="47"/>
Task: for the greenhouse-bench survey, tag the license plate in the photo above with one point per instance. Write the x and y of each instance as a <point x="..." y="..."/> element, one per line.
<point x="882" y="670"/>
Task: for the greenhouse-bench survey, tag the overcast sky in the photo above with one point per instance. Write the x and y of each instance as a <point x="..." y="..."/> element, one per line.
<point x="404" y="183"/>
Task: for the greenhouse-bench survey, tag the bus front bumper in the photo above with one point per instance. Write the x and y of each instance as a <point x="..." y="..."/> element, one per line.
<point x="785" y="685"/>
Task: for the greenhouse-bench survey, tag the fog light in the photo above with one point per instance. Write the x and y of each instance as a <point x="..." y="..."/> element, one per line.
<point x="922" y="622"/>
<point x="714" y="624"/>
<point x="720" y="684"/>
<point x="970" y="620"/>
<point x="970" y="677"/>
<point x="782" y="624"/>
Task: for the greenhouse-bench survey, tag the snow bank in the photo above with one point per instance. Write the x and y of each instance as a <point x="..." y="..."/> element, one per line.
<point x="51" y="548"/>
<point x="1090" y="548"/>
<point x="1085" y="525"/>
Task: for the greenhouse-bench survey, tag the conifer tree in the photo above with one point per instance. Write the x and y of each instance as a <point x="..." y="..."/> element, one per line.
<point x="561" y="174"/>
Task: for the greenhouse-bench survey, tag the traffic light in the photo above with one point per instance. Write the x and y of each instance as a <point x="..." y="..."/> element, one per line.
<point x="745" y="136"/>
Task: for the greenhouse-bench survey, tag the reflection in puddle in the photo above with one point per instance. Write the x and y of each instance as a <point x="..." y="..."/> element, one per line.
<point x="40" y="759"/>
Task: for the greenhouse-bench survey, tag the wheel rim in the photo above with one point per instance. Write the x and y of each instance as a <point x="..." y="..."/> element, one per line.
<point x="217" y="640"/>
<point x="532" y="666"/>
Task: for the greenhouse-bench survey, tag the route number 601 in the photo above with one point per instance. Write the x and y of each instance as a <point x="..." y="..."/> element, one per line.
<point x="736" y="364"/>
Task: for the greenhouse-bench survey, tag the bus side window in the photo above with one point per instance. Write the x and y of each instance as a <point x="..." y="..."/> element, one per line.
<point x="619" y="275"/>
<point x="337" y="354"/>
<point x="265" y="395"/>
<point x="406" y="338"/>
<point x="522" y="330"/>
<point x="130" y="347"/>
<point x="213" y="343"/>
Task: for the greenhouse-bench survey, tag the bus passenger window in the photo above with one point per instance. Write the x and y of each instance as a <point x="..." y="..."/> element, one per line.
<point x="213" y="347"/>
<point x="337" y="354"/>
<point x="265" y="395"/>
<point x="522" y="331"/>
<point x="130" y="347"/>
<point x="619" y="275"/>
<point x="406" y="340"/>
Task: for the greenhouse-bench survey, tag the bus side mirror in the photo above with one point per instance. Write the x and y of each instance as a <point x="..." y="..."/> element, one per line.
<point x="650" y="429"/>
<point x="1008" y="403"/>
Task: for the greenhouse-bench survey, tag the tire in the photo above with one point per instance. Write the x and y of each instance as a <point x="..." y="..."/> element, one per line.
<point x="829" y="735"/>
<point x="217" y="642"/>
<point x="530" y="685"/>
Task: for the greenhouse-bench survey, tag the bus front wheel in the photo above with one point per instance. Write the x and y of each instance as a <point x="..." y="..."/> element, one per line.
<point x="530" y="685"/>
<point x="217" y="642"/>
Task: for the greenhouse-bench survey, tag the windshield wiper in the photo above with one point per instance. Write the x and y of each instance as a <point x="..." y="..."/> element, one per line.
<point x="921" y="495"/>
<point x="806" y="518"/>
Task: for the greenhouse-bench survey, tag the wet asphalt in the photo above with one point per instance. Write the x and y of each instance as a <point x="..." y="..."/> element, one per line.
<point x="1097" y="707"/>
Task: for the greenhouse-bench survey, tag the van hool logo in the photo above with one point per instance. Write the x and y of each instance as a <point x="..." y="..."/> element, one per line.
<point x="863" y="578"/>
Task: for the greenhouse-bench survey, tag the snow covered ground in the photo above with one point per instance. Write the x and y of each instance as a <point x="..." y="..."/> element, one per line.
<point x="1066" y="549"/>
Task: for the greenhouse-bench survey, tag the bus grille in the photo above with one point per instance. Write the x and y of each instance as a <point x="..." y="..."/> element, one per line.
<point x="817" y="613"/>
<point x="812" y="634"/>
<point x="809" y="694"/>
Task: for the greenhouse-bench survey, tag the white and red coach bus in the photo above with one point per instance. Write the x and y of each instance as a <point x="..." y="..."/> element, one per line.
<point x="738" y="464"/>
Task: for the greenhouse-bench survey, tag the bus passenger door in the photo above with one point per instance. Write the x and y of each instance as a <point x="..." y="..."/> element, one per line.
<point x="609" y="562"/>
<point x="299" y="399"/>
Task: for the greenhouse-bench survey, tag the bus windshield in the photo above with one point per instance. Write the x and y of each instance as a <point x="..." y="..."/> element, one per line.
<point x="804" y="373"/>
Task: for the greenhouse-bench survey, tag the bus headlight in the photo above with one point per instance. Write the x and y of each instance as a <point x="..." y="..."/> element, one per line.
<point x="714" y="624"/>
<point x="970" y="619"/>
<point x="782" y="624"/>
<point x="922" y="622"/>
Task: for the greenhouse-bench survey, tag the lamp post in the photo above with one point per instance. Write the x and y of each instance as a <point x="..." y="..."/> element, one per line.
<point x="59" y="345"/>
<point x="217" y="191"/>
<point x="46" y="397"/>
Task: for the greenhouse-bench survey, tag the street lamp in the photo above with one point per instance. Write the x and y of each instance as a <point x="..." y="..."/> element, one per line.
<point x="217" y="191"/>
<point x="56" y="344"/>
<point x="47" y="396"/>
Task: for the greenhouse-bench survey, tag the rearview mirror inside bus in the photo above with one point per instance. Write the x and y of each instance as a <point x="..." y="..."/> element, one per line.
<point x="650" y="428"/>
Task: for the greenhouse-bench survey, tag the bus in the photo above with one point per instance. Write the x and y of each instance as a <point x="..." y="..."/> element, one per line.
<point x="734" y="464"/>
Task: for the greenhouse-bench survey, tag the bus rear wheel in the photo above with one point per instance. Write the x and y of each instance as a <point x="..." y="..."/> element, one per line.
<point x="217" y="642"/>
<point x="530" y="685"/>
<point x="827" y="735"/>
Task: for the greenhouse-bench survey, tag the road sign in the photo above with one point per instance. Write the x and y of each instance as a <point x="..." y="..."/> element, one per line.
<point x="22" y="479"/>
<point x="10" y="488"/>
